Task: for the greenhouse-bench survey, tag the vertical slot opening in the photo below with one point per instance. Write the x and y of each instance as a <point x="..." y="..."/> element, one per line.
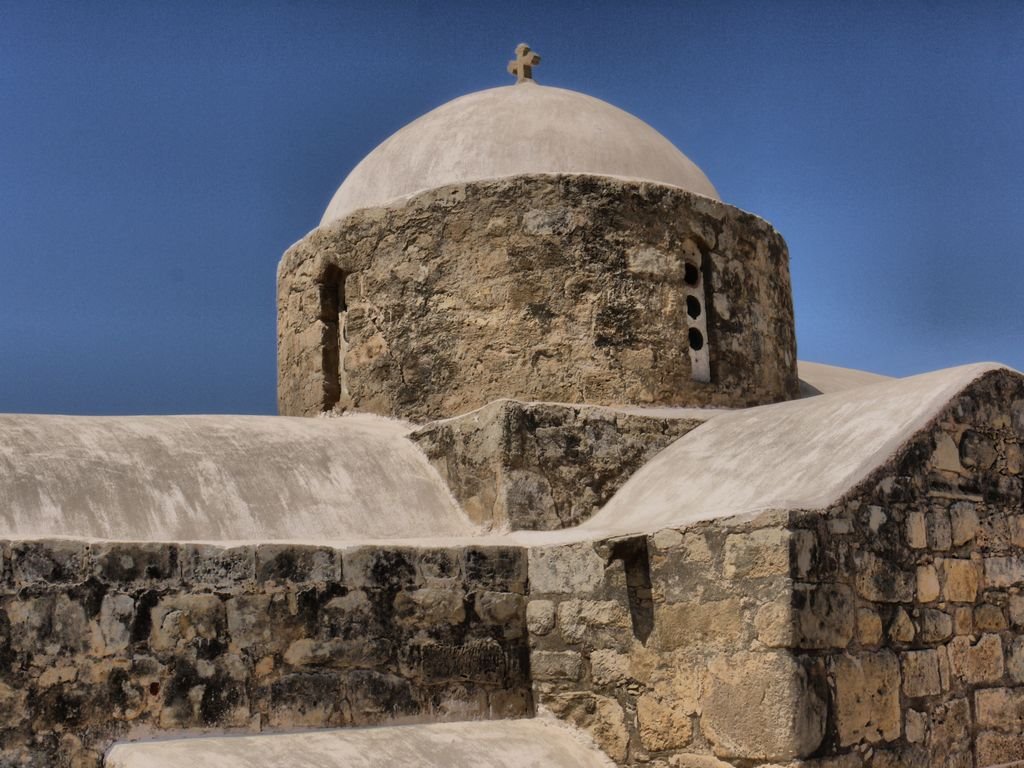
<point x="637" y="564"/>
<point x="333" y="312"/>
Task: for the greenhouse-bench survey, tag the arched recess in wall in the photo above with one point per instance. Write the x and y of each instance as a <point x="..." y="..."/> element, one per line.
<point x="333" y="314"/>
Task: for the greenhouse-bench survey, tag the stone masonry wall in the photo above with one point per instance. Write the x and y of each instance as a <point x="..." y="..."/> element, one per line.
<point x="542" y="466"/>
<point x="546" y="288"/>
<point x="675" y="664"/>
<point x="107" y="641"/>
<point x="884" y="632"/>
<point x="912" y="595"/>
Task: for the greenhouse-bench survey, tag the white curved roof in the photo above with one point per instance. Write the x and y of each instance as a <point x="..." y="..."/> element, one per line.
<point x="509" y="131"/>
<point x="219" y="478"/>
<point x="802" y="454"/>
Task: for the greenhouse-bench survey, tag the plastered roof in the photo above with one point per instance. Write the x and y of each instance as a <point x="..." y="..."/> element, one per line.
<point x="509" y="131"/>
<point x="218" y="478"/>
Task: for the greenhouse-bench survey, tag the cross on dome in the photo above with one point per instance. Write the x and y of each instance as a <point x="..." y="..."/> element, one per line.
<point x="524" y="62"/>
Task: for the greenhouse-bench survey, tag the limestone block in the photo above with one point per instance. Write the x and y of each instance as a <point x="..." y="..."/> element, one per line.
<point x="1017" y="610"/>
<point x="179" y="619"/>
<point x="596" y="622"/>
<point x="960" y="579"/>
<point x="1000" y="708"/>
<point x="760" y="553"/>
<point x="867" y="697"/>
<point x="502" y="569"/>
<point x="963" y="620"/>
<point x="556" y="665"/>
<point x="881" y="581"/>
<point x="999" y="749"/>
<point x="666" y="539"/>
<point x="940" y="534"/>
<point x="573" y="570"/>
<point x="505" y="610"/>
<point x="49" y="561"/>
<point x="610" y="668"/>
<point x="920" y="673"/>
<point x="662" y="723"/>
<point x="1003" y="572"/>
<point x="901" y="628"/>
<point x="915" y="726"/>
<point x="217" y="566"/>
<point x="761" y="706"/>
<point x="927" y="584"/>
<point x="949" y="737"/>
<point x="602" y="717"/>
<point x="116" y="614"/>
<point x="145" y="563"/>
<point x="775" y="624"/>
<point x="825" y="615"/>
<point x="869" y="627"/>
<point x="936" y="626"/>
<point x="540" y="616"/>
<point x="978" y="663"/>
<point x="430" y="607"/>
<point x="1015" y="660"/>
<point x="711" y="623"/>
<point x="989" y="618"/>
<point x="977" y="451"/>
<point x="964" y="520"/>
<point x="917" y="532"/>
<point x="289" y="563"/>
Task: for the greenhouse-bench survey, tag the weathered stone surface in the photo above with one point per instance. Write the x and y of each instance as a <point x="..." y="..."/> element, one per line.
<point x="558" y="314"/>
<point x="555" y="665"/>
<point x="602" y="717"/>
<point x="540" y="616"/>
<point x="229" y="647"/>
<point x="960" y="580"/>
<point x="713" y="623"/>
<point x="867" y="697"/>
<point x="1000" y="708"/>
<point x="662" y="723"/>
<point x="762" y="706"/>
<point x="977" y="663"/>
<point x="574" y="570"/>
<point x="594" y="622"/>
<point x="920" y="673"/>
<point x="763" y="552"/>
<point x="542" y="466"/>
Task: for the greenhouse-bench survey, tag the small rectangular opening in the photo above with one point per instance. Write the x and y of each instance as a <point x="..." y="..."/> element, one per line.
<point x="333" y="312"/>
<point x="637" y="564"/>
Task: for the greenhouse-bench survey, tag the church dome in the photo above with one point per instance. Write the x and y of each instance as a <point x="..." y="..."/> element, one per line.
<point x="509" y="131"/>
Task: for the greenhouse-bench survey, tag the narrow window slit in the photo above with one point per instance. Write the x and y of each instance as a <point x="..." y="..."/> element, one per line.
<point x="333" y="313"/>
<point x="637" y="564"/>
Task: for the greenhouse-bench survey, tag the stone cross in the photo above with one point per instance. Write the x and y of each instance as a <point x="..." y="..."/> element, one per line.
<point x="524" y="62"/>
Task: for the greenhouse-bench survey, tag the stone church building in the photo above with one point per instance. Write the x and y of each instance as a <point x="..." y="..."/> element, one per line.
<point x="548" y="487"/>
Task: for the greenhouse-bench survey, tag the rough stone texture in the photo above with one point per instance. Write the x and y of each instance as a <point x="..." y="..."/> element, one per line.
<point x="940" y="517"/>
<point x="555" y="288"/>
<point x="105" y="641"/>
<point x="542" y="466"/>
<point x="894" y="615"/>
<point x="666" y="627"/>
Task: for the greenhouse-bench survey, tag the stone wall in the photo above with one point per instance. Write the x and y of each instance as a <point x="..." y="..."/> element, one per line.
<point x="911" y="595"/>
<point x="543" y="466"/>
<point x="108" y="641"/>
<point x="553" y="288"/>
<point x="662" y="646"/>
<point x="886" y="631"/>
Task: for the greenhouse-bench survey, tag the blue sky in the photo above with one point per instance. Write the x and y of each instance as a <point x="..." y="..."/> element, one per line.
<point x="157" y="158"/>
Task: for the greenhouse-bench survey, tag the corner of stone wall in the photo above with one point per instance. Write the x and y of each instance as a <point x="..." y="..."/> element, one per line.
<point x="542" y="466"/>
<point x="677" y="647"/>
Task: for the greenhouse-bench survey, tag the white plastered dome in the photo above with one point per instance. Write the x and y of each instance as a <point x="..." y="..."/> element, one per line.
<point x="509" y="131"/>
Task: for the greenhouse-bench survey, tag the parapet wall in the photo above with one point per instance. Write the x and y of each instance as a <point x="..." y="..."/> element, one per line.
<point x="565" y="289"/>
<point x="109" y="641"/>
